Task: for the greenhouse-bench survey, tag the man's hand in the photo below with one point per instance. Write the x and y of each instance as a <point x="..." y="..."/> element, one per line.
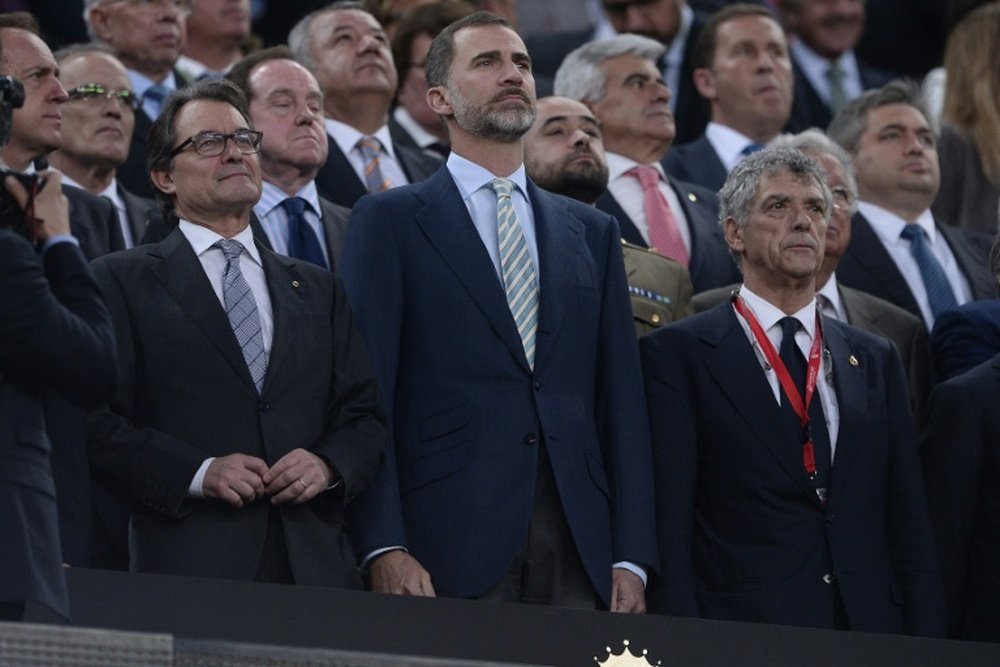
<point x="51" y="211"/>
<point x="398" y="572"/>
<point x="297" y="477"/>
<point x="236" y="479"/>
<point x="628" y="596"/>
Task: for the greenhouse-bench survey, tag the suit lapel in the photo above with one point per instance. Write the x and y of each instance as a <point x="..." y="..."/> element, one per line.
<point x="337" y="180"/>
<point x="445" y="221"/>
<point x="736" y="370"/>
<point x="868" y="252"/>
<point x="183" y="277"/>
<point x="138" y="213"/>
<point x="970" y="262"/>
<point x="259" y="235"/>
<point x="334" y="229"/>
<point x="629" y="231"/>
<point x="850" y="384"/>
<point x="287" y="302"/>
<point x="559" y="234"/>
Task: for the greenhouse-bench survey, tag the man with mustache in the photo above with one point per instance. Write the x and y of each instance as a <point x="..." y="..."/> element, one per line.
<point x="788" y="481"/>
<point x="498" y="321"/>
<point x="742" y="68"/>
<point x="286" y="104"/>
<point x="899" y="251"/>
<point x="618" y="79"/>
<point x="563" y="153"/>
<point x="147" y="37"/>
<point x="347" y="50"/>
<point x="828" y="73"/>
<point x="246" y="415"/>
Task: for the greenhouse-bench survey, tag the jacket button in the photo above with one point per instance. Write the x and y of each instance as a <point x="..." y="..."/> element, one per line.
<point x="538" y="385"/>
<point x="530" y="439"/>
<point x="264" y="406"/>
<point x="829" y="578"/>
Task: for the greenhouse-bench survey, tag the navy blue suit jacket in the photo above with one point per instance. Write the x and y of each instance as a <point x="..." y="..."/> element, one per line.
<point x="710" y="266"/>
<point x="742" y="533"/>
<point x="469" y="413"/>
<point x="866" y="264"/>
<point x="809" y="109"/>
<point x="696" y="162"/>
<point x="965" y="337"/>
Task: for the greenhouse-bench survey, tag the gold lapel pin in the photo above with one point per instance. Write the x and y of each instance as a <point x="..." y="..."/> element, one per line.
<point x="852" y="360"/>
<point x="692" y="197"/>
<point x="295" y="283"/>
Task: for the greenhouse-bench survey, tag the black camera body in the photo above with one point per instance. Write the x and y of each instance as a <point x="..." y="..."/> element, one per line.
<point x="11" y="215"/>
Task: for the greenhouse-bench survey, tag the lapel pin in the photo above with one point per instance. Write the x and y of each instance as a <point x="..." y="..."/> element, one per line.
<point x="692" y="197"/>
<point x="852" y="360"/>
<point x="295" y="283"/>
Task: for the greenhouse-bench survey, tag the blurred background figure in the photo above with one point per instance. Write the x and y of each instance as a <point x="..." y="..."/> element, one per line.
<point x="218" y="34"/>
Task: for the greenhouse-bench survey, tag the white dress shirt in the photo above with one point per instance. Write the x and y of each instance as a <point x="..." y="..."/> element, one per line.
<point x="815" y="68"/>
<point x="111" y="192"/>
<point x="274" y="219"/>
<point x="202" y="240"/>
<point x="347" y="137"/>
<point x="628" y="192"/>
<point x="888" y="226"/>
<point x="728" y="144"/>
<point x="769" y="316"/>
<point x="833" y="305"/>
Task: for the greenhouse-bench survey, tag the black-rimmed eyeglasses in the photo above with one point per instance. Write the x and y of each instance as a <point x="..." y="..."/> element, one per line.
<point x="213" y="144"/>
<point x="88" y="91"/>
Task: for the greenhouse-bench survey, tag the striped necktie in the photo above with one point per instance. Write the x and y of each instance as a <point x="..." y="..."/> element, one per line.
<point x="517" y="269"/>
<point x="241" y="309"/>
<point x="371" y="150"/>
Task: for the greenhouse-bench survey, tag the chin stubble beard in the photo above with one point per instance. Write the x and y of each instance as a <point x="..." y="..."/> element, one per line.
<point x="500" y="126"/>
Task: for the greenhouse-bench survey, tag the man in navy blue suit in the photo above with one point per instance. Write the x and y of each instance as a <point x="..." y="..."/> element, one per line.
<point x="788" y="483"/>
<point x="498" y="321"/>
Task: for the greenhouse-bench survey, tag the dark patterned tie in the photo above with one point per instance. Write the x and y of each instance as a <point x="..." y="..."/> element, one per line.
<point x="241" y="309"/>
<point x="939" y="292"/>
<point x="302" y="241"/>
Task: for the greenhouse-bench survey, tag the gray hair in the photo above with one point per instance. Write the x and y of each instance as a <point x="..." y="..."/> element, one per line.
<point x="737" y="196"/>
<point x="815" y="141"/>
<point x="851" y="122"/>
<point x="88" y="6"/>
<point x="300" y="36"/>
<point x="581" y="77"/>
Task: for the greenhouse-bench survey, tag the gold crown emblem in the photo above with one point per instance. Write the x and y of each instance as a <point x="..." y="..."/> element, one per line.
<point x="624" y="659"/>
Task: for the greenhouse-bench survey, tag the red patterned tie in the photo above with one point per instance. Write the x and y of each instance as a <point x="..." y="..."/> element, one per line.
<point x="664" y="232"/>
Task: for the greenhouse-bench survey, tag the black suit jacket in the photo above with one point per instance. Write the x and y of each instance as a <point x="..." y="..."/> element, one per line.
<point x="710" y="265"/>
<point x="94" y="222"/>
<point x="809" y="109"/>
<point x="55" y="337"/>
<point x="338" y="183"/>
<point x="959" y="447"/>
<point x="141" y="212"/>
<point x="867" y="266"/>
<point x="185" y="394"/>
<point x="965" y="337"/>
<point x="741" y="531"/>
<point x="696" y="162"/>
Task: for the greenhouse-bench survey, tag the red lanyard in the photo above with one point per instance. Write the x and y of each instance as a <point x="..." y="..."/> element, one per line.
<point x="800" y="407"/>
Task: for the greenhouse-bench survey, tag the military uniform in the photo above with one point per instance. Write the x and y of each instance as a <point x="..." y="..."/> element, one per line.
<point x="659" y="288"/>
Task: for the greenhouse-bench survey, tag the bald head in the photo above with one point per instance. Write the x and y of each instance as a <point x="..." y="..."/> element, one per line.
<point x="563" y="152"/>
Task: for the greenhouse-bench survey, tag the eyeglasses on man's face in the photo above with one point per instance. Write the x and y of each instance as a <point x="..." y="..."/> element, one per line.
<point x="93" y="91"/>
<point x="213" y="144"/>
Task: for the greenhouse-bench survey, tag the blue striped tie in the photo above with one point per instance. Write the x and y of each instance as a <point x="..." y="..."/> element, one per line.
<point x="939" y="292"/>
<point x="241" y="309"/>
<point x="517" y="269"/>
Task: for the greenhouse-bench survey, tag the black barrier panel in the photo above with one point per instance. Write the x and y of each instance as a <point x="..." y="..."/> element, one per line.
<point x="305" y="617"/>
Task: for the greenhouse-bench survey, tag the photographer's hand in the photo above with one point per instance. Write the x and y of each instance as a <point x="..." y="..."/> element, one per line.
<point x="51" y="210"/>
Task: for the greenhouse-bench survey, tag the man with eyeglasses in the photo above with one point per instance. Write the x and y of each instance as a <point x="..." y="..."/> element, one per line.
<point x="98" y="119"/>
<point x="247" y="416"/>
<point x="147" y="36"/>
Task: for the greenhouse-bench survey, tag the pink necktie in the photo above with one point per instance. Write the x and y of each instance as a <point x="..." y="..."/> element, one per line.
<point x="664" y="233"/>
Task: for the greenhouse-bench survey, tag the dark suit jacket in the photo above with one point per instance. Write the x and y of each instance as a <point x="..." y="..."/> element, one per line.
<point x="961" y="468"/>
<point x="338" y="183"/>
<point x="879" y="317"/>
<point x="55" y="337"/>
<point x="185" y="394"/>
<point x="809" y="109"/>
<point x="696" y="162"/>
<point x="742" y="533"/>
<point x="141" y="212"/>
<point x="965" y="337"/>
<point x="710" y="265"/>
<point x="469" y="414"/>
<point x="94" y="222"/>
<point x="867" y="266"/>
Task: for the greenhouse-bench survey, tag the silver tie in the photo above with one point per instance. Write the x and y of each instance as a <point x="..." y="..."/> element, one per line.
<point x="517" y="269"/>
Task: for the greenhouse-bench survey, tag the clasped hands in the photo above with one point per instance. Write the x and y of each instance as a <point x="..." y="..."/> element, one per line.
<point x="239" y="479"/>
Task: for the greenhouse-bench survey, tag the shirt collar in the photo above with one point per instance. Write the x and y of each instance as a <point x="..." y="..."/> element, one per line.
<point x="619" y="164"/>
<point x="727" y="142"/>
<point x="141" y="83"/>
<point x="815" y="66"/>
<point x="769" y="315"/>
<point x="471" y="177"/>
<point x="202" y="239"/>
<point x="832" y="294"/>
<point x="271" y="197"/>
<point x="420" y="136"/>
<point x="888" y="225"/>
<point x="346" y="137"/>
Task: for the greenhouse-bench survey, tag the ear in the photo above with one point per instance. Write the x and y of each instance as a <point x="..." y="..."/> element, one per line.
<point x="704" y="81"/>
<point x="100" y="22"/>
<point x="734" y="235"/>
<point x="439" y="101"/>
<point x="163" y="181"/>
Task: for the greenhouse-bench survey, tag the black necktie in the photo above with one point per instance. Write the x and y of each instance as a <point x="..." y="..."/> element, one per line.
<point x="792" y="357"/>
<point x="302" y="241"/>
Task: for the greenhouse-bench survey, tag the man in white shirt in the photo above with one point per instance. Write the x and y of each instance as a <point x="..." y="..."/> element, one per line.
<point x="618" y="79"/>
<point x="898" y="251"/>
<point x="743" y="69"/>
<point x="347" y="50"/>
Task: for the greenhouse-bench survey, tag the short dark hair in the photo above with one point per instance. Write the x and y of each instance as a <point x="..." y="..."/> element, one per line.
<point x="19" y="21"/>
<point x="240" y="73"/>
<point x="703" y="54"/>
<point x="424" y="20"/>
<point x="851" y="122"/>
<point x="442" y="51"/>
<point x="163" y="133"/>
